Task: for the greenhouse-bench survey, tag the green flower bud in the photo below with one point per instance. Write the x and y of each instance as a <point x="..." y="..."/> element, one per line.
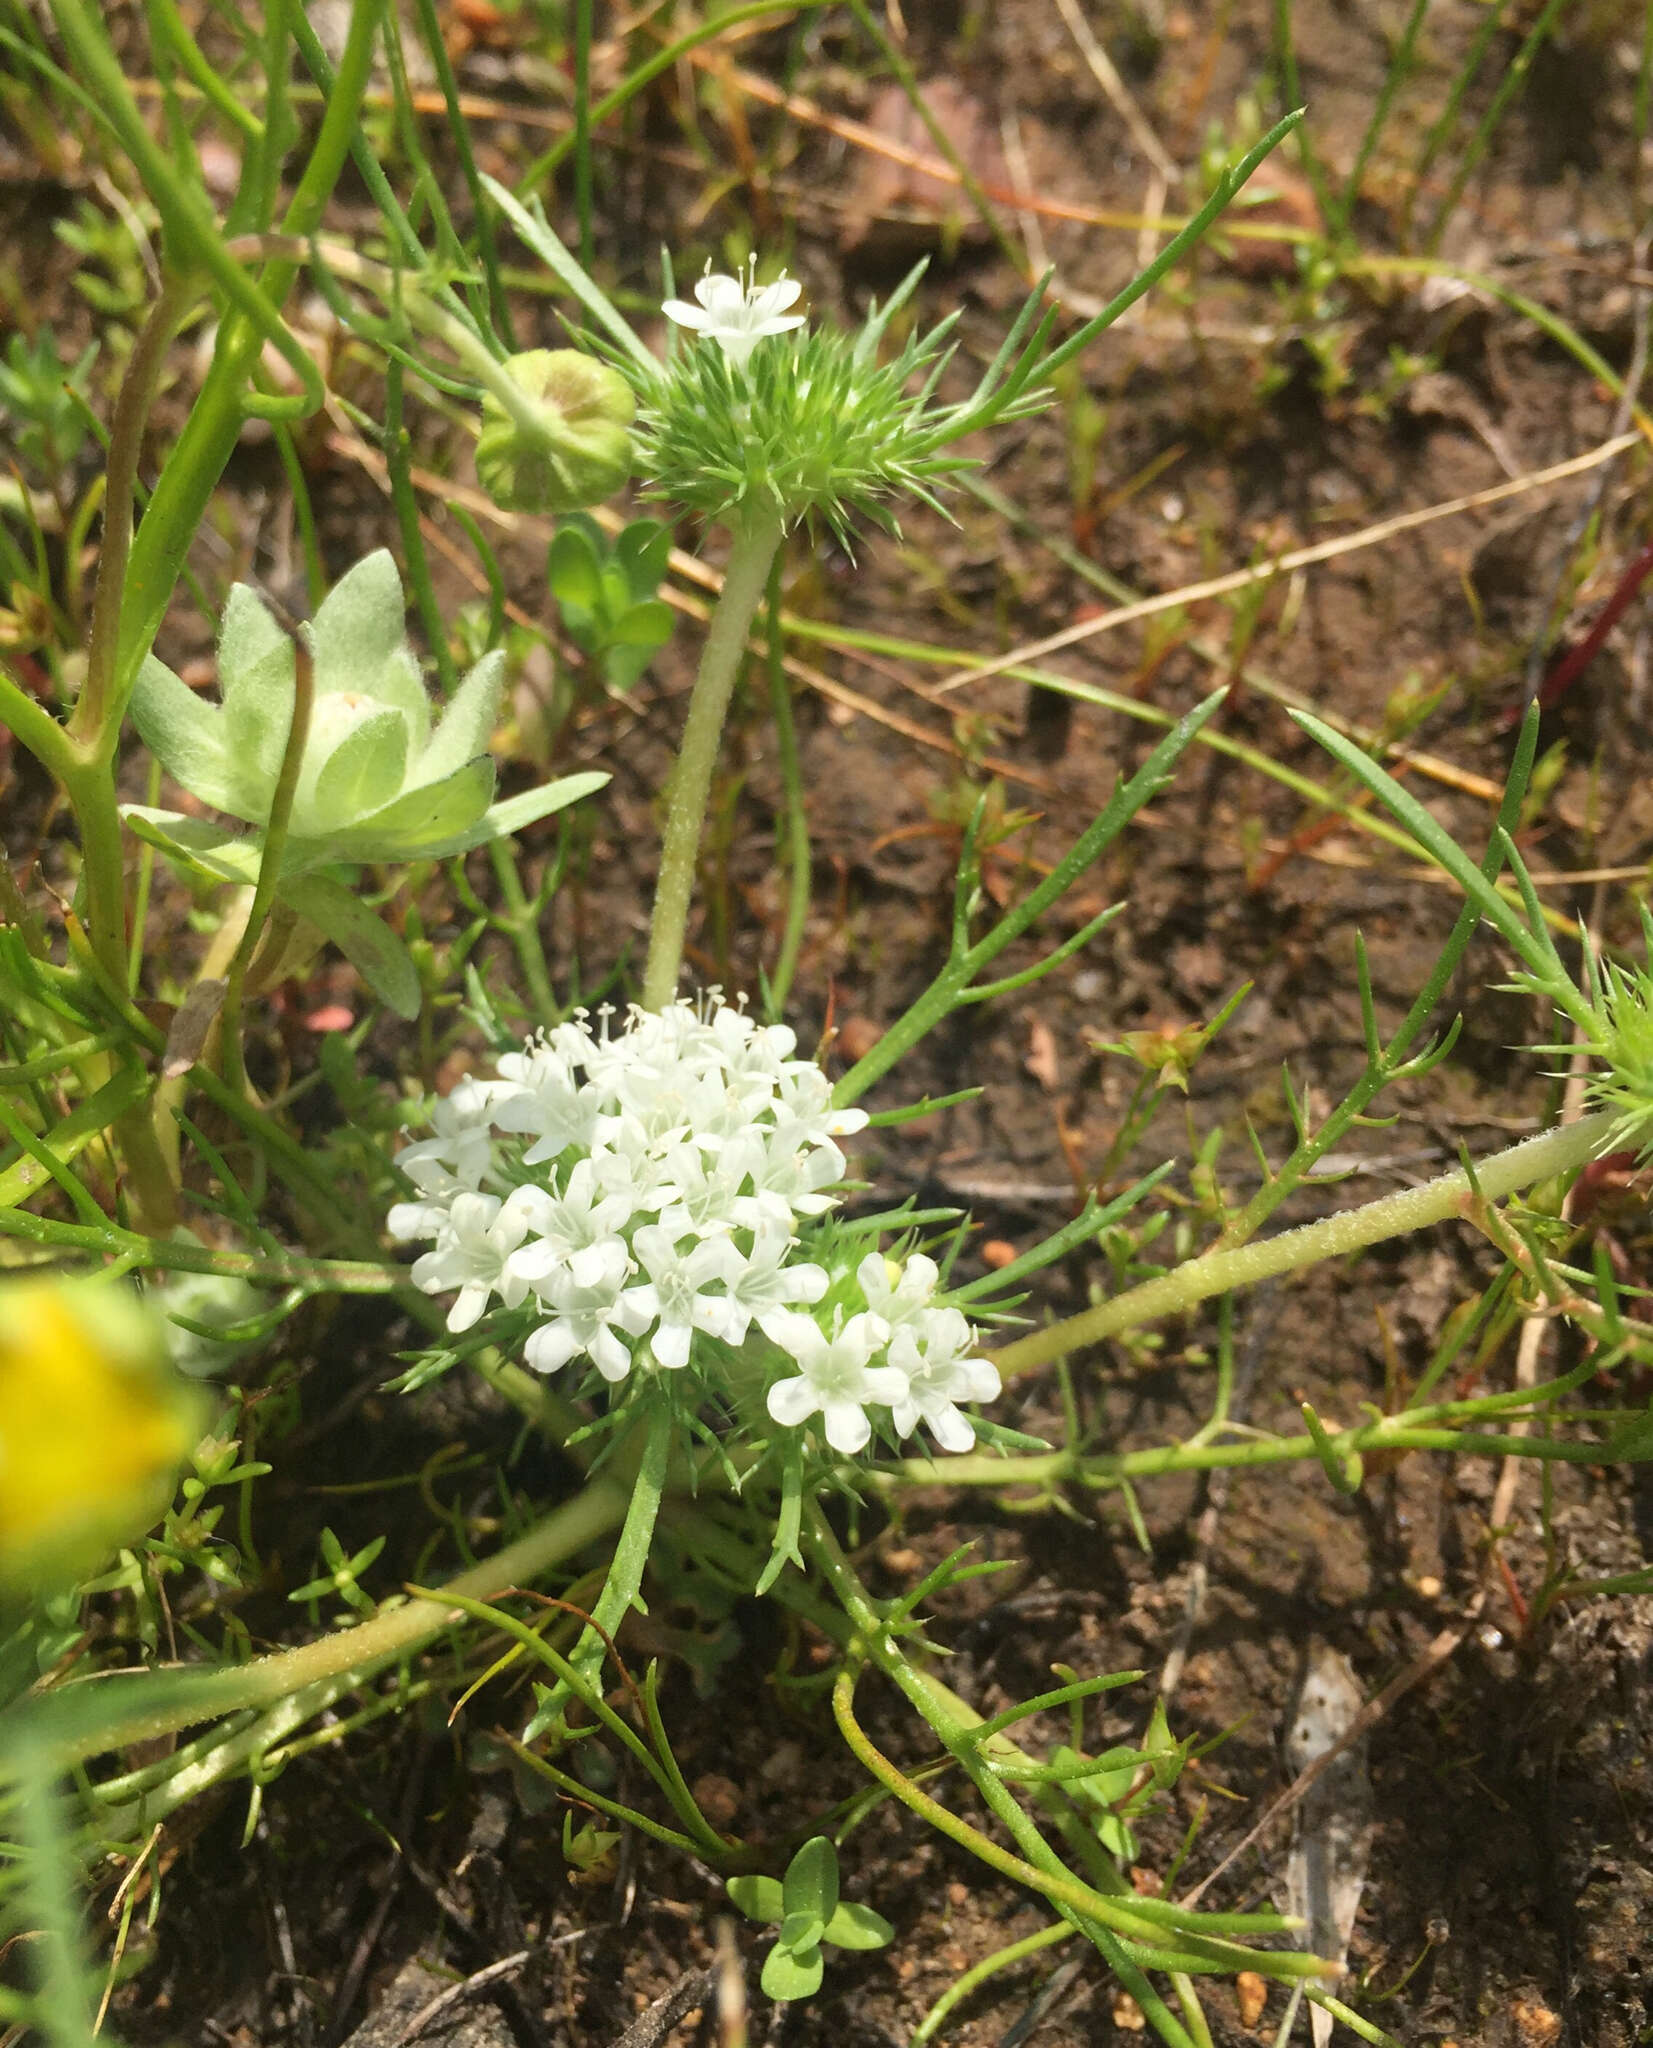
<point x="567" y="444"/>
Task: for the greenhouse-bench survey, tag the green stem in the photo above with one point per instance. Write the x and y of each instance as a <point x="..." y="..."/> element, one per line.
<point x="39" y="731"/>
<point x="174" y="513"/>
<point x="1107" y="1919"/>
<point x="720" y="662"/>
<point x="1534" y="1159"/>
<point x="797" y="810"/>
<point x="522" y="923"/>
<point x="162" y="1703"/>
<point x="91" y="726"/>
<point x="631" y="1553"/>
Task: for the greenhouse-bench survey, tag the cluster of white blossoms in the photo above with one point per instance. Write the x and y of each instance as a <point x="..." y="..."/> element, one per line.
<point x="637" y="1187"/>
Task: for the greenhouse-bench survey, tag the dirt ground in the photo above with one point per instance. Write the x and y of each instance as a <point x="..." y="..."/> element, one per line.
<point x="1509" y="1902"/>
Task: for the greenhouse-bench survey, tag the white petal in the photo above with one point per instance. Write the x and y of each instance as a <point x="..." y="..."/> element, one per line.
<point x="612" y="1357"/>
<point x="950" y="1429"/>
<point x="720" y="1317"/>
<point x="473" y="1299"/>
<point x="414" y="1219"/>
<point x="792" y="1402"/>
<point x="551" y="1345"/>
<point x="773" y="299"/>
<point x="884" y="1384"/>
<point x="723" y="297"/>
<point x="847" y="1428"/>
<point x="978" y="1379"/>
<point x="670" y="1344"/>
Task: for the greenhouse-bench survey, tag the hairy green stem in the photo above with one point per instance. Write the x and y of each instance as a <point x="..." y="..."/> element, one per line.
<point x="797" y="811"/>
<point x="756" y="540"/>
<point x="1534" y="1159"/>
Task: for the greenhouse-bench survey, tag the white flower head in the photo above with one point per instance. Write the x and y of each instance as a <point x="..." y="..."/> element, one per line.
<point x="737" y="313"/>
<point x="645" y="1175"/>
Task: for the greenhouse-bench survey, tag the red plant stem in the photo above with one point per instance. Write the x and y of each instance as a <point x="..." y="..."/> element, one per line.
<point x="1578" y="658"/>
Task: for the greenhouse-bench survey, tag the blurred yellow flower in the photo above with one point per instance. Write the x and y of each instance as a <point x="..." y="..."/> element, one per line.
<point x="94" y="1424"/>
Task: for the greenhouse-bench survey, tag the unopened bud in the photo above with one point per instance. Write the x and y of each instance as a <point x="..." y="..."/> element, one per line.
<point x="568" y="446"/>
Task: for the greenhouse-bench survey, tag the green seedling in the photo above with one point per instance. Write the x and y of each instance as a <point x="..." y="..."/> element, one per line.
<point x="45" y="400"/>
<point x="606" y="595"/>
<point x="805" y="1908"/>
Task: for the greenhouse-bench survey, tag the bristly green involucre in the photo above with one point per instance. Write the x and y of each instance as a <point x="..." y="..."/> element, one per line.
<point x="1621" y="1006"/>
<point x="812" y="426"/>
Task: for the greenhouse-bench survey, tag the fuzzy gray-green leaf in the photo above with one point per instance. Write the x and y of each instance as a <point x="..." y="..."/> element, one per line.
<point x="468" y="723"/>
<point x="362" y="774"/>
<point x="360" y="640"/>
<point x="196" y="844"/>
<point x="423" y="824"/>
<point x="185" y="735"/>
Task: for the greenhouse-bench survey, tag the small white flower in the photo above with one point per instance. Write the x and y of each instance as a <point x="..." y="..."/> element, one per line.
<point x="561" y="1225"/>
<point x="738" y="313"/>
<point x="707" y="1195"/>
<point x="766" y="1286"/>
<point x="932" y="1353"/>
<point x="457" y="1157"/>
<point x="675" y="1296"/>
<point x="800" y="1171"/>
<point x="585" y="1292"/>
<point x="477" y="1237"/>
<point x="836" y="1380"/>
<point x="539" y="1095"/>
<point x="900" y="1294"/>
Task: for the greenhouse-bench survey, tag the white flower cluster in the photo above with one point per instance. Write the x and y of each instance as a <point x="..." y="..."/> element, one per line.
<point x="667" y="1165"/>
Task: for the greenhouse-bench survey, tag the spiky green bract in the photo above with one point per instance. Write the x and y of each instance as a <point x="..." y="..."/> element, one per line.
<point x="1617" y="1032"/>
<point x="814" y="425"/>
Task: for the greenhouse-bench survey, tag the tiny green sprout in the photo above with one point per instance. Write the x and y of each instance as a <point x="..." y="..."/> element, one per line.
<point x="559" y="438"/>
<point x="806" y="1908"/>
<point x="588" y="1850"/>
<point x="607" y="595"/>
<point x="342" y="1575"/>
<point x="1168" y="1051"/>
<point x="45" y="399"/>
<point x="376" y="782"/>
